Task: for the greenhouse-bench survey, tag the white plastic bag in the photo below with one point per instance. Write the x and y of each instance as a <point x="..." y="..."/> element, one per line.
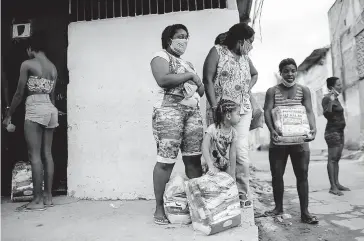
<point x="214" y="203"/>
<point x="291" y="120"/>
<point x="292" y="124"/>
<point x="175" y="201"/>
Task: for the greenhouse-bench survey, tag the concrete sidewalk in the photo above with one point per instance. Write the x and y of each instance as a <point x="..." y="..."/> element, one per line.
<point x="72" y="219"/>
<point x="341" y="217"/>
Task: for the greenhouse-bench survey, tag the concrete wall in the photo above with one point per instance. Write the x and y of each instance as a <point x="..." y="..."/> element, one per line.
<point x="344" y="17"/>
<point x="315" y="78"/>
<point x="111" y="93"/>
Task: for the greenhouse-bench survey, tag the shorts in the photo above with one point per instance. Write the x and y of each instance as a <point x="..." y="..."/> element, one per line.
<point x="334" y="139"/>
<point x="277" y="152"/>
<point x="177" y="127"/>
<point x="39" y="109"/>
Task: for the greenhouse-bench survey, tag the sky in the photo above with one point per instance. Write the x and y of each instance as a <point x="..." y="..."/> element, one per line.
<point x="289" y="29"/>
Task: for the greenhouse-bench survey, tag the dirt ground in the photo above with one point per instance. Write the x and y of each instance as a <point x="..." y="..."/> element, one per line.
<point x="341" y="218"/>
<point x="293" y="229"/>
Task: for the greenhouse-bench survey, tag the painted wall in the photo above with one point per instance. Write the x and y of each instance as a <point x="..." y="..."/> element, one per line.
<point x="344" y="19"/>
<point x="315" y="78"/>
<point x="111" y="94"/>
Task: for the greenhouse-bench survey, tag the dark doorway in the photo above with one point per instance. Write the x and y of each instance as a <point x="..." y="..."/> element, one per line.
<point x="51" y="17"/>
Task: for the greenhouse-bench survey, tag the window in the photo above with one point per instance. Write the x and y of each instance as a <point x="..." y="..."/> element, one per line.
<point x="88" y="10"/>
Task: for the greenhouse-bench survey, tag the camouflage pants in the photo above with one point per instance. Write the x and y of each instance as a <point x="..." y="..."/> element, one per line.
<point x="177" y="127"/>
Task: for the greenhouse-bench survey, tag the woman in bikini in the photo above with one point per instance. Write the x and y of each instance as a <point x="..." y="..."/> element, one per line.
<point x="37" y="81"/>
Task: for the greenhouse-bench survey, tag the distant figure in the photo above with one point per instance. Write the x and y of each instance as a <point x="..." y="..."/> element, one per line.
<point x="38" y="77"/>
<point x="177" y="120"/>
<point x="334" y="133"/>
<point x="289" y="93"/>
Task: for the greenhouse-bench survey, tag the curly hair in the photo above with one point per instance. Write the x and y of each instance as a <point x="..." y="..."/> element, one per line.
<point x="169" y="32"/>
<point x="286" y="62"/>
<point x="223" y="107"/>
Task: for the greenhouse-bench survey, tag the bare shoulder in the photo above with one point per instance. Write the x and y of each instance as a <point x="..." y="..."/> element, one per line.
<point x="27" y="64"/>
<point x="305" y="88"/>
<point x="271" y="91"/>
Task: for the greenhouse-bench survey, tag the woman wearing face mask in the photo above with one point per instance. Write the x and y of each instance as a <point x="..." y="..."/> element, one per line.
<point x="177" y="120"/>
<point x="37" y="81"/>
<point x="289" y="93"/>
<point x="334" y="133"/>
<point x="230" y="74"/>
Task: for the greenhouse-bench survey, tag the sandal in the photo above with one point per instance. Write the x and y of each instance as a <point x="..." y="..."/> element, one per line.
<point x="244" y="202"/>
<point x="161" y="221"/>
<point x="310" y="220"/>
<point x="272" y="213"/>
<point x="24" y="208"/>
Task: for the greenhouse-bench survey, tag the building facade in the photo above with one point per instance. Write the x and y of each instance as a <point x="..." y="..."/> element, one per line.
<point x="346" y="20"/>
<point x="313" y="72"/>
<point x="111" y="92"/>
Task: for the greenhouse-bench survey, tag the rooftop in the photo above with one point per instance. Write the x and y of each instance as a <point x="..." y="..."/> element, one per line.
<point x="313" y="58"/>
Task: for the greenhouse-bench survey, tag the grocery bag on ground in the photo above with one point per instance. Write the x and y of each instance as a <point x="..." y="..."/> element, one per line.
<point x="291" y="123"/>
<point x="175" y="201"/>
<point x="214" y="203"/>
<point x="21" y="183"/>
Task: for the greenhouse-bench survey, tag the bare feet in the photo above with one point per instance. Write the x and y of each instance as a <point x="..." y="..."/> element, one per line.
<point x="47" y="200"/>
<point x="336" y="192"/>
<point x="342" y="188"/>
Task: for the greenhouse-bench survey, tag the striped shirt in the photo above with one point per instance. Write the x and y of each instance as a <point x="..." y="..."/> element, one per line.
<point x="280" y="100"/>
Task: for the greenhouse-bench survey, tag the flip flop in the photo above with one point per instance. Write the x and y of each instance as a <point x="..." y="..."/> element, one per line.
<point x="337" y="193"/>
<point x="244" y="201"/>
<point x="310" y="220"/>
<point x="24" y="208"/>
<point x="161" y="221"/>
<point x="272" y="214"/>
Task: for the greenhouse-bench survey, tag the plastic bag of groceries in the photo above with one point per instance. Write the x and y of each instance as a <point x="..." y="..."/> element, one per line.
<point x="214" y="203"/>
<point x="21" y="183"/>
<point x="291" y="123"/>
<point x="175" y="201"/>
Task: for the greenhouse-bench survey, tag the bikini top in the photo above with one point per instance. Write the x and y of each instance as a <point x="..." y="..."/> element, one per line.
<point x="40" y="85"/>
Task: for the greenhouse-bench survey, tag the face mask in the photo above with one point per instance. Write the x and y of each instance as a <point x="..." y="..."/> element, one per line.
<point x="246" y="48"/>
<point x="287" y="84"/>
<point x="335" y="92"/>
<point x="178" y="46"/>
